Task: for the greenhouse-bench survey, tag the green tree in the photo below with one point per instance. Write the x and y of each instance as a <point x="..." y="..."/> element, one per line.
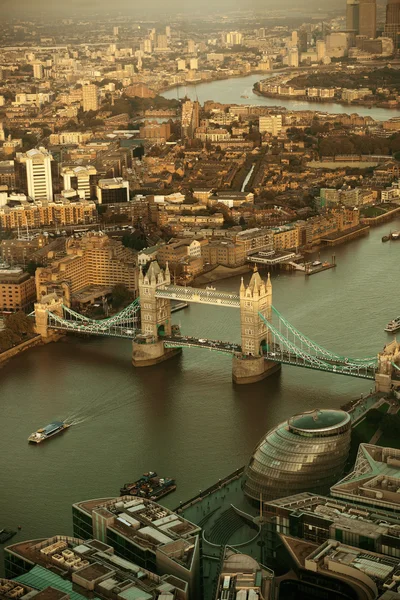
<point x="120" y="295"/>
<point x="8" y="339"/>
<point x="19" y="323"/>
<point x="32" y="266"/>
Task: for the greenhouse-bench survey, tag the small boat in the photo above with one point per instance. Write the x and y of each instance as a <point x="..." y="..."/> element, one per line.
<point x="149" y="486"/>
<point x="244" y="96"/>
<point x="210" y="288"/>
<point x="393" y="325"/>
<point x="6" y="534"/>
<point x="385" y="238"/>
<point x="395" y="235"/>
<point x="316" y="263"/>
<point x="47" y="432"/>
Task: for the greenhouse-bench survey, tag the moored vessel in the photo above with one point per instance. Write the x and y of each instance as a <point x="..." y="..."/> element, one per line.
<point x="393" y="325"/>
<point x="6" y="534"/>
<point x="149" y="486"/>
<point x="395" y="235"/>
<point x="47" y="432"/>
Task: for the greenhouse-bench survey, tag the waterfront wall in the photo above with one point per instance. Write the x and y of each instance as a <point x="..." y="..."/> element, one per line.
<point x="374" y="221"/>
<point x="35" y="341"/>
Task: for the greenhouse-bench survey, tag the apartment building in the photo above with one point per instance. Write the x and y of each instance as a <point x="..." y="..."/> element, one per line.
<point x="39" y="214"/>
<point x="92" y="266"/>
<point x="17" y="289"/>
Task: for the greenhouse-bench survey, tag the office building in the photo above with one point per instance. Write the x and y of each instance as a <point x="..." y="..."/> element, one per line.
<point x="145" y="533"/>
<point x="271" y="124"/>
<point x="353" y="16"/>
<point x="70" y="568"/>
<point x="111" y="191"/>
<point x="242" y="577"/>
<point x="147" y="46"/>
<point x="392" y="24"/>
<point x="194" y="64"/>
<point x="17" y="289"/>
<point x="81" y="179"/>
<point x="307" y="452"/>
<point x="335" y="570"/>
<point x="367" y="18"/>
<point x="191" y="47"/>
<point x="316" y="519"/>
<point x="90" y="98"/>
<point x="92" y="266"/>
<point x="374" y="480"/>
<point x="34" y="173"/>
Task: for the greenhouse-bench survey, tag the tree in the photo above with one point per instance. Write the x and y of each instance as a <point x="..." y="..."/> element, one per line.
<point x="120" y="295"/>
<point x="19" y="323"/>
<point x="8" y="339"/>
<point x="32" y="266"/>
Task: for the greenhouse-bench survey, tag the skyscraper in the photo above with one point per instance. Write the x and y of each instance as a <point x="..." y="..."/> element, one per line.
<point x="392" y="25"/>
<point x="367" y="18"/>
<point x="90" y="97"/>
<point x="352" y="16"/>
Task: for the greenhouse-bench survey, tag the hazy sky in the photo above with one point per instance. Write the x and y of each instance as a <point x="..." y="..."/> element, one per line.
<point x="155" y="7"/>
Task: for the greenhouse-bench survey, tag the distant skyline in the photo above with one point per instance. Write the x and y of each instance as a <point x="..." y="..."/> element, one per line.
<point x="159" y="7"/>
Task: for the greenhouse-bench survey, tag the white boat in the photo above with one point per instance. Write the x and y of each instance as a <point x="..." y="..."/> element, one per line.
<point x="395" y="235"/>
<point x="393" y="325"/>
<point x="316" y="263"/>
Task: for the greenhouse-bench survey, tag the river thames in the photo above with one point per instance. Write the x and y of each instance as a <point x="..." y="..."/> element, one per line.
<point x="231" y="91"/>
<point x="183" y="418"/>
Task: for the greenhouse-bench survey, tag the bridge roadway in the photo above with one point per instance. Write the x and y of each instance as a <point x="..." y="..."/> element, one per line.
<point x="199" y="296"/>
<point x="181" y="341"/>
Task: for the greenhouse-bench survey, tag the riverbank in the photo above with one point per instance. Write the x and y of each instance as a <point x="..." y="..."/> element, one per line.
<point x="19" y="348"/>
<point x="219" y="273"/>
<point x="383" y="218"/>
<point x="232" y="89"/>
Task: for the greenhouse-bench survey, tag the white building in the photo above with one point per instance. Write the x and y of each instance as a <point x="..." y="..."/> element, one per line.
<point x="271" y="124"/>
<point x="293" y="57"/>
<point x="37" y="163"/>
<point x="79" y="179"/>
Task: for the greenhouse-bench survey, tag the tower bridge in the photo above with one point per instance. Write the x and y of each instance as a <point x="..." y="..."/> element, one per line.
<point x="268" y="339"/>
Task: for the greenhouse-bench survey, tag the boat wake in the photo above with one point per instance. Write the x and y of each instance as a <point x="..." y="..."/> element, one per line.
<point x="97" y="408"/>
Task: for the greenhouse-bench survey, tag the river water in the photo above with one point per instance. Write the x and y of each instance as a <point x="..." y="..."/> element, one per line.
<point x="230" y="91"/>
<point x="183" y="418"/>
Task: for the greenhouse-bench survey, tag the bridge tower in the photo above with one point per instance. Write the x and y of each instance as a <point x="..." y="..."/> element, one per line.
<point x="255" y="298"/>
<point x="155" y="314"/>
<point x="49" y="303"/>
<point x="388" y="373"/>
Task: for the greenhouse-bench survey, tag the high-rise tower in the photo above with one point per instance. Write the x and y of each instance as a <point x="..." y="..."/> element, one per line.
<point x="392" y="25"/>
<point x="353" y="16"/>
<point x="367" y="18"/>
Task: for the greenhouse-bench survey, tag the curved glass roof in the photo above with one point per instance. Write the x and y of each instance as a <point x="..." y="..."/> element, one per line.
<point x="319" y="420"/>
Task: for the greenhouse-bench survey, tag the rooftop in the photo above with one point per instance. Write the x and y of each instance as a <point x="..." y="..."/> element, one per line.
<point x="318" y="420"/>
<point x="375" y="479"/>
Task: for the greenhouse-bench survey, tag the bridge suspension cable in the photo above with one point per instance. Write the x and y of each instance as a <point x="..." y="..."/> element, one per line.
<point x="317" y="348"/>
<point x="286" y="351"/>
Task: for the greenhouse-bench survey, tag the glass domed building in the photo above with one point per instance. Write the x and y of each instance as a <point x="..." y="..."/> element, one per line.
<point x="306" y="453"/>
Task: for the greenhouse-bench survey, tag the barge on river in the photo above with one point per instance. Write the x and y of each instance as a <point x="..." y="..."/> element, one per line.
<point x="149" y="486"/>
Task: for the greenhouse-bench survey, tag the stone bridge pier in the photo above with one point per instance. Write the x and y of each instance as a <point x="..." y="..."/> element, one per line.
<point x="251" y="366"/>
